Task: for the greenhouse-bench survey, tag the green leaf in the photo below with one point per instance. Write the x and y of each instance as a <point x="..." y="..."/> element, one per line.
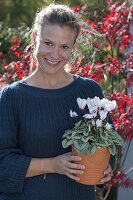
<point x="74" y="133"/>
<point x="76" y="145"/>
<point x="110" y="141"/>
<point x="85" y="139"/>
<point x="101" y="143"/>
<point x="79" y="145"/>
<point x="104" y="135"/>
<point x="85" y="148"/>
<point x="93" y="148"/>
<point x="120" y="140"/>
<point x="76" y="137"/>
<point x="67" y="133"/>
<point x="91" y="137"/>
<point x="85" y="133"/>
<point x="112" y="149"/>
<point x="88" y="152"/>
<point x="66" y="143"/>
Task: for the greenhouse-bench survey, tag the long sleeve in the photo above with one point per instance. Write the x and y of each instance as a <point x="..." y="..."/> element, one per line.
<point x="13" y="164"/>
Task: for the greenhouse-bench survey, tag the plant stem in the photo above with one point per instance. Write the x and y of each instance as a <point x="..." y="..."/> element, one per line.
<point x="107" y="193"/>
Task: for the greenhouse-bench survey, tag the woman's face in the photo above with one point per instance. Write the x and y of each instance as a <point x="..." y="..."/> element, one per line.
<point x="53" y="48"/>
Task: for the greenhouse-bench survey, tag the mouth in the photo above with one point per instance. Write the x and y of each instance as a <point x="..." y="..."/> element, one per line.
<point x="52" y="62"/>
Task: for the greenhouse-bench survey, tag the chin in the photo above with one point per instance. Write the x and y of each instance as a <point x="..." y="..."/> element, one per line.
<point x="51" y="69"/>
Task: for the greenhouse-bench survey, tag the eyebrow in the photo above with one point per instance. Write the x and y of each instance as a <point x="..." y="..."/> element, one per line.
<point x="53" y="42"/>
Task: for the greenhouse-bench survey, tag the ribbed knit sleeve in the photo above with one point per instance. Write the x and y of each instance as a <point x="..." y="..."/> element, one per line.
<point x="13" y="164"/>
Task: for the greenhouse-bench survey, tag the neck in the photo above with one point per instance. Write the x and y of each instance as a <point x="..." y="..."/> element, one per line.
<point x="50" y="81"/>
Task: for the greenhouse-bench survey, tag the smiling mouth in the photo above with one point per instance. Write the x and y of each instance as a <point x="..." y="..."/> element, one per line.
<point x="51" y="62"/>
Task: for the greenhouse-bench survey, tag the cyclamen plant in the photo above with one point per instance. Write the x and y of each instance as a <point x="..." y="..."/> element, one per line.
<point x="94" y="130"/>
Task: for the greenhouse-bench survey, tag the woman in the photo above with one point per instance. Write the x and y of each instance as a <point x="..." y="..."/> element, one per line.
<point x="35" y="114"/>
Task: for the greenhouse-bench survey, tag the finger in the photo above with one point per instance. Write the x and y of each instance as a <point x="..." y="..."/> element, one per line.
<point x="73" y="177"/>
<point x="106" y="179"/>
<point x="69" y="153"/>
<point x="74" y="158"/>
<point x="108" y="170"/>
<point x="72" y="171"/>
<point x="111" y="173"/>
<point x="75" y="166"/>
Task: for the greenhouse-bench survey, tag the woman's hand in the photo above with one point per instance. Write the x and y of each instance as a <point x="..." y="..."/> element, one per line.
<point x="107" y="175"/>
<point x="63" y="164"/>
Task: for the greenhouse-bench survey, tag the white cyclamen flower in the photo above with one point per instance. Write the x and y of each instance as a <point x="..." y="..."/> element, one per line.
<point x="88" y="116"/>
<point x="93" y="104"/>
<point x="98" y="123"/>
<point x="73" y="114"/>
<point x="81" y="103"/>
<point x="94" y="114"/>
<point x="108" y="126"/>
<point x="108" y="105"/>
<point x="93" y="122"/>
<point x="103" y="114"/>
<point x="111" y="105"/>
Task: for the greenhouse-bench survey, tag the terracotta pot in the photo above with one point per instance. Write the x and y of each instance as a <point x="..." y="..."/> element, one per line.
<point x="95" y="166"/>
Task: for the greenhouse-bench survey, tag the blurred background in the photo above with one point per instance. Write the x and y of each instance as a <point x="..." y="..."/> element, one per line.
<point x="113" y="60"/>
<point x="15" y="13"/>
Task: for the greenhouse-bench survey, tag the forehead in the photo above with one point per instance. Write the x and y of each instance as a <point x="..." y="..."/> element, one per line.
<point x="58" y="34"/>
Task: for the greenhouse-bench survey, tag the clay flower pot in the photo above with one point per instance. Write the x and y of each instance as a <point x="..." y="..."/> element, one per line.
<point x="95" y="166"/>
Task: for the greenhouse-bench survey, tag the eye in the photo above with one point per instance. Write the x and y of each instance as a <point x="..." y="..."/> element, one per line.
<point x="48" y="43"/>
<point x="65" y="47"/>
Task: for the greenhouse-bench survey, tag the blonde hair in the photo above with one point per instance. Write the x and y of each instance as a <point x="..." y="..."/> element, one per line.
<point x="53" y="14"/>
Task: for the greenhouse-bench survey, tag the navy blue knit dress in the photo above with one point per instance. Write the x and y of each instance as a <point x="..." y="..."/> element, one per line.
<point x="32" y="122"/>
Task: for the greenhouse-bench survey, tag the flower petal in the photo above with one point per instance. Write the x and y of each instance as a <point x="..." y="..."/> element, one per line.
<point x="73" y="114"/>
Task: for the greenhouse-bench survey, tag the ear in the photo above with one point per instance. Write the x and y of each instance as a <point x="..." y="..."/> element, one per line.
<point x="33" y="38"/>
<point x="74" y="47"/>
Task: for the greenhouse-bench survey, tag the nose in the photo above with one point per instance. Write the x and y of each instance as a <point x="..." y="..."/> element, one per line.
<point x="55" y="52"/>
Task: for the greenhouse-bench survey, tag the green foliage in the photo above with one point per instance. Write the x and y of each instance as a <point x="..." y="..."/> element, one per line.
<point x="16" y="13"/>
<point x="85" y="45"/>
<point x="7" y="36"/>
<point x="84" y="140"/>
